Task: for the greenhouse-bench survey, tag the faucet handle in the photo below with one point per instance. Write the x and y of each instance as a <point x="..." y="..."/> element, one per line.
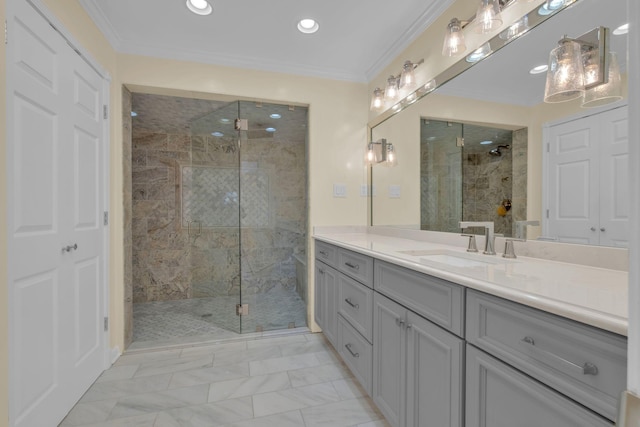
<point x="473" y="247"/>
<point x="509" y="251"/>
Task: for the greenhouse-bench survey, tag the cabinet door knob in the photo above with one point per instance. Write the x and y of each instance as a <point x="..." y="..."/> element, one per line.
<point x="602" y="229"/>
<point x="593" y="229"/>
<point x="400" y="322"/>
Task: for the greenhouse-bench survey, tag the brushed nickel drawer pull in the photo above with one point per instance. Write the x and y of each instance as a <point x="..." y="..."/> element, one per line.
<point x="323" y="253"/>
<point x="348" y="347"/>
<point x="586" y="369"/>
<point x="354" y="266"/>
<point x="348" y="301"/>
<point x="70" y="248"/>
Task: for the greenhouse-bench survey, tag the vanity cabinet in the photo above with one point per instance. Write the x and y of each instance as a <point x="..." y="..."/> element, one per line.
<point x="417" y="357"/>
<point x="501" y="396"/>
<point x="326" y="298"/>
<point x="418" y="366"/>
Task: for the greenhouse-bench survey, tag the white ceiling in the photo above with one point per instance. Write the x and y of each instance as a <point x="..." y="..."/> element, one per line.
<point x="504" y="76"/>
<point x="356" y="40"/>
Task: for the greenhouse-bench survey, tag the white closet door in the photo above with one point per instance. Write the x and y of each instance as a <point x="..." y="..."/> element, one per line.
<point x="55" y="202"/>
<point x="573" y="182"/>
<point x="614" y="178"/>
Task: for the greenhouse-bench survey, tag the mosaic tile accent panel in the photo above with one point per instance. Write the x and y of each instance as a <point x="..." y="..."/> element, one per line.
<point x="211" y="195"/>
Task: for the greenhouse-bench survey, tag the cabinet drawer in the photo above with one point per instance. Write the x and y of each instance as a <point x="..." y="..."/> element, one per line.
<point x="356" y="352"/>
<point x="582" y="362"/>
<point x="355" y="303"/>
<point x="437" y="300"/>
<point x="356" y="265"/>
<point x="498" y="395"/>
<point x="327" y="253"/>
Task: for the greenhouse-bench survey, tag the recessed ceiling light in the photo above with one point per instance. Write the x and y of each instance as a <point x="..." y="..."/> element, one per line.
<point x="218" y="134"/>
<point x="539" y="69"/>
<point x="486" y="142"/>
<point x="550" y="7"/>
<point x="308" y="26"/>
<point x="270" y="129"/>
<point x="275" y="116"/>
<point x="622" y="29"/>
<point x="480" y="53"/>
<point x="134" y="114"/>
<point x="199" y="7"/>
<point x="225" y="121"/>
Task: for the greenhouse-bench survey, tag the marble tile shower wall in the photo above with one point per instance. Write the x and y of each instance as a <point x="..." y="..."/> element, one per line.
<point x="169" y="264"/>
<point x="127" y="209"/>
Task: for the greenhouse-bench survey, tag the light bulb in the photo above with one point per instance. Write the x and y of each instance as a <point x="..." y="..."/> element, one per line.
<point x="610" y="91"/>
<point x="391" y="92"/>
<point x="453" y="39"/>
<point x="488" y="16"/>
<point x="565" y="77"/>
<point x="408" y="76"/>
<point x="377" y="102"/>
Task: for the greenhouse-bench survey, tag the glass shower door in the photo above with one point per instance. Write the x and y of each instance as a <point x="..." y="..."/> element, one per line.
<point x="211" y="216"/>
<point x="273" y="216"/>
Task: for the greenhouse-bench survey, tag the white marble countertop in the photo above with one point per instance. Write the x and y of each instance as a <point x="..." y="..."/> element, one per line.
<point x="590" y="295"/>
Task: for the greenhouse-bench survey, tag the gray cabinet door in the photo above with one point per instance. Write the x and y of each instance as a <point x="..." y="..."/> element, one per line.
<point x="500" y="396"/>
<point x="326" y="294"/>
<point x="435" y="360"/>
<point x="389" y="359"/>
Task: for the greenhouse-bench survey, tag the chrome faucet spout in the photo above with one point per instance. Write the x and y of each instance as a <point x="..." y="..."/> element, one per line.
<point x="489" y="238"/>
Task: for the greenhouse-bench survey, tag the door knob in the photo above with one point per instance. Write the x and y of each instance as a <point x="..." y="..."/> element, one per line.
<point x="70" y="248"/>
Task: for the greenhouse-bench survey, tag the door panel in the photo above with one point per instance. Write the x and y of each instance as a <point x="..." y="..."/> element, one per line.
<point x="54" y="166"/>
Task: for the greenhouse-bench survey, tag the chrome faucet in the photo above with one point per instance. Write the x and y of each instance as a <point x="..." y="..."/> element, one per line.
<point x="489" y="239"/>
<point x="521" y="236"/>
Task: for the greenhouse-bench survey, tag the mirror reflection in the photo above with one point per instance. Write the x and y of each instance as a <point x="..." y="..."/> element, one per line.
<point x="439" y="182"/>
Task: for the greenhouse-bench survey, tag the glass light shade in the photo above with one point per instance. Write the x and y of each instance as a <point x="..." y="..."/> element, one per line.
<point x="565" y="77"/>
<point x="391" y="92"/>
<point x="408" y="76"/>
<point x="488" y="16"/>
<point x="199" y="7"/>
<point x="377" y="102"/>
<point x="607" y="92"/>
<point x="516" y="29"/>
<point x="453" y="39"/>
<point x="370" y="157"/>
<point x="392" y="158"/>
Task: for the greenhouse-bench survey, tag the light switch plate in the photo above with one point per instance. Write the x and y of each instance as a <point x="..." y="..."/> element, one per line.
<point x="394" y="191"/>
<point x="364" y="190"/>
<point x="339" y="190"/>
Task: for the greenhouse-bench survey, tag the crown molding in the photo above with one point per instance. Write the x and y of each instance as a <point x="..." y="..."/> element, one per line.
<point x="103" y="23"/>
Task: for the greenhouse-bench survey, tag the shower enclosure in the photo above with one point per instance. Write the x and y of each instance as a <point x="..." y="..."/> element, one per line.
<point x="235" y="191"/>
<point x="471" y="173"/>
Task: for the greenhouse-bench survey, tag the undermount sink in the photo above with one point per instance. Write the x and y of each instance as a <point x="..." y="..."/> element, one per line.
<point x="455" y="259"/>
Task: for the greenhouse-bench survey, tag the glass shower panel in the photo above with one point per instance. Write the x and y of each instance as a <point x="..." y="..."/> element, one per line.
<point x="441" y="177"/>
<point x="273" y="216"/>
<point x="210" y="200"/>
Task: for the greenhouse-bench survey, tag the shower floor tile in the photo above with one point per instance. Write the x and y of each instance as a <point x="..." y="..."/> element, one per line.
<point x="207" y="319"/>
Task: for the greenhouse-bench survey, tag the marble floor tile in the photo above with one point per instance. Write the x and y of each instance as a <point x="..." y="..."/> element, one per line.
<point x="294" y="398"/>
<point x="285" y="419"/>
<point x="209" y="375"/>
<point x="281" y="364"/>
<point x="123" y="388"/>
<point x="341" y="414"/>
<point x="284" y="381"/>
<point x="317" y="374"/>
<point x="156" y="402"/>
<point x="248" y="386"/>
<point x="207" y="415"/>
<point x="158" y="367"/>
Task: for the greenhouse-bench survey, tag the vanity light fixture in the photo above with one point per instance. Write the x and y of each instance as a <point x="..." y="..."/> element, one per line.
<point x="402" y="85"/>
<point x="199" y="7"/>
<point x="610" y="91"/>
<point x="308" y="26"/>
<point x="453" y="39"/>
<point x="391" y="91"/>
<point x="381" y="152"/>
<point x="377" y="102"/>
<point x="488" y="17"/>
<point x="577" y="65"/>
<point x="408" y="76"/>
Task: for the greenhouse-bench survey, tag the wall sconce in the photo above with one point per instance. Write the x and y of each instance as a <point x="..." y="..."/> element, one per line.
<point x="397" y="86"/>
<point x="582" y="65"/>
<point x="381" y="152"/>
<point x="488" y="17"/>
<point x="453" y="39"/>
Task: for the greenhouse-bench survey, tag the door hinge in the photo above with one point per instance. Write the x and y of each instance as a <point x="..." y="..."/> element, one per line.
<point x="242" y="309"/>
<point x="547" y="213"/>
<point x="105" y="219"/>
<point x="106" y="324"/>
<point x="105" y="112"/>
<point x="242" y="124"/>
